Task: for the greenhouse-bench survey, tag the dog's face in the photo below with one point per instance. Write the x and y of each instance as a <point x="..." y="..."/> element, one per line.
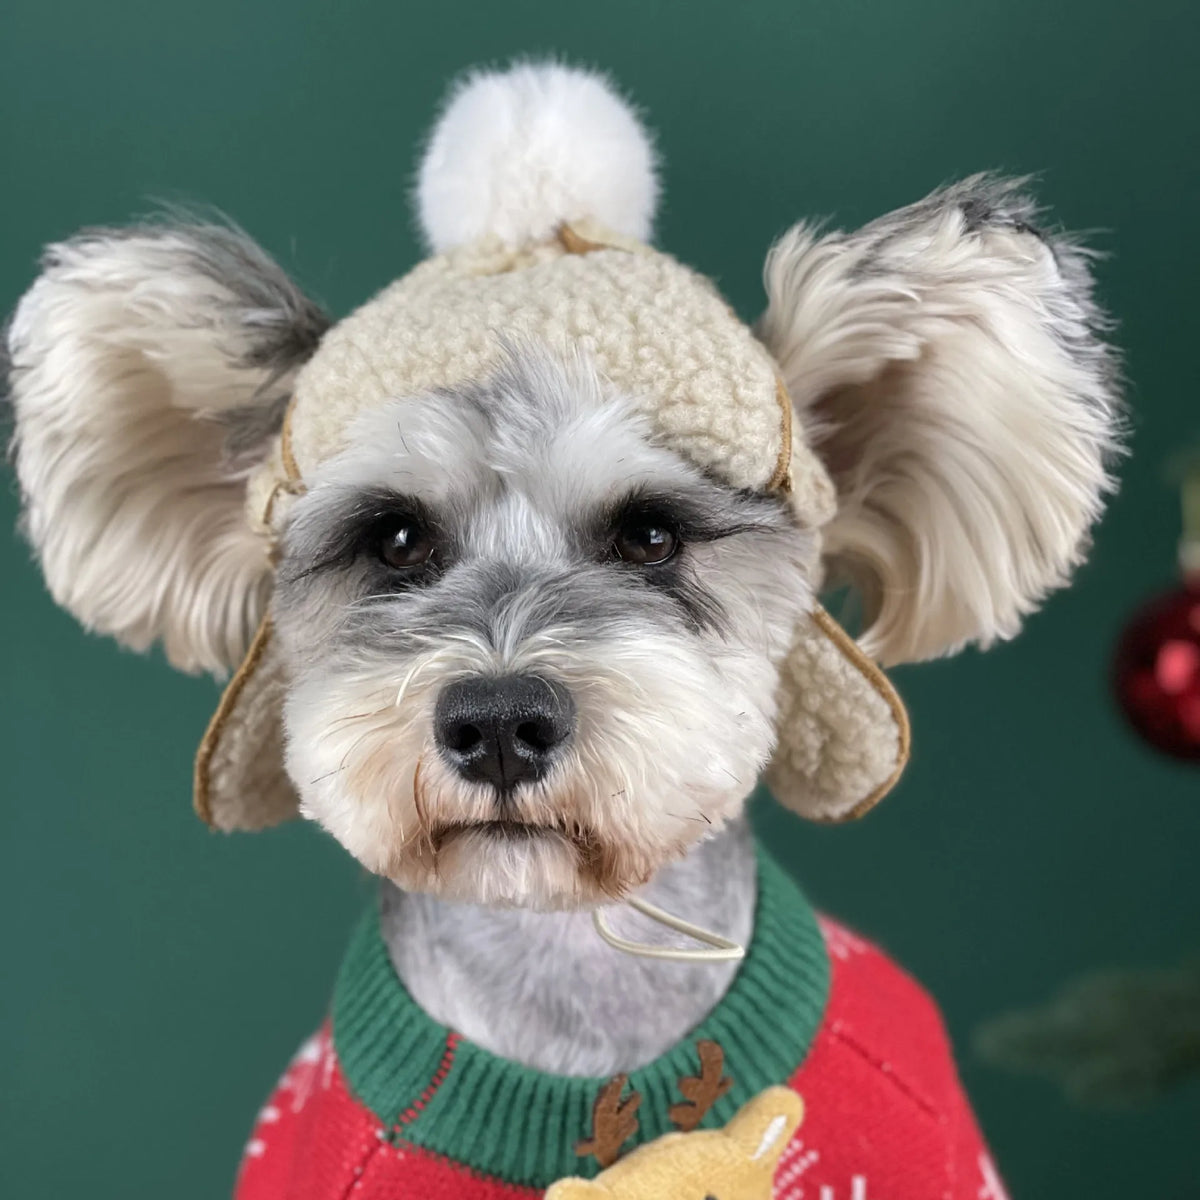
<point x="532" y="655"/>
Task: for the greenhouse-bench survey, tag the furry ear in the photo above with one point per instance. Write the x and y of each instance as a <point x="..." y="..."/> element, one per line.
<point x="575" y="1189"/>
<point x="763" y="1126"/>
<point x="947" y="363"/>
<point x="148" y="368"/>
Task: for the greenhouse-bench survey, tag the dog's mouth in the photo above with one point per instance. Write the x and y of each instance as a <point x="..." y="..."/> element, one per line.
<point x="500" y="830"/>
<point x="558" y="842"/>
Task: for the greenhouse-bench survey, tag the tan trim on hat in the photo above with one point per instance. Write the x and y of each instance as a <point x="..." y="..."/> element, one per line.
<point x="576" y="243"/>
<point x="292" y="488"/>
<point x="874" y="675"/>
<point x="290" y="466"/>
<point x="201" y="796"/>
<point x="781" y="478"/>
<point x="291" y="484"/>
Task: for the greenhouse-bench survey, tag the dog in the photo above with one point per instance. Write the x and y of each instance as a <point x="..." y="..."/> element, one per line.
<point x="521" y="566"/>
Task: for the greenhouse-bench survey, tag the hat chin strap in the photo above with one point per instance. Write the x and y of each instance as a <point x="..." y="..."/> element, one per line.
<point x="721" y="949"/>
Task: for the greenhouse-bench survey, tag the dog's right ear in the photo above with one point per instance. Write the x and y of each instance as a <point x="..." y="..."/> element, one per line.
<point x="148" y="369"/>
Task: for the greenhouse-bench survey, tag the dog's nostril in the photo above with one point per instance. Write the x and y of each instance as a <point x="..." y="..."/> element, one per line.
<point x="537" y="735"/>
<point x="464" y="737"/>
<point x="505" y="729"/>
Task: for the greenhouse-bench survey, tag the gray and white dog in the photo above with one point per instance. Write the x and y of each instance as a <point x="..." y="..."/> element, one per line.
<point x="532" y="652"/>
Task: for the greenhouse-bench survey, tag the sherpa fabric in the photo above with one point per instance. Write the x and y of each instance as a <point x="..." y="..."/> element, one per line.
<point x="663" y="336"/>
<point x="657" y="331"/>
<point x="239" y="781"/>
<point x="385" y="1104"/>
<point x="843" y="732"/>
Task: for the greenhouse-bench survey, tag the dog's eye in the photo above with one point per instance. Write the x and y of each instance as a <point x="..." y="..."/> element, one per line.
<point x="644" y="542"/>
<point x="403" y="542"/>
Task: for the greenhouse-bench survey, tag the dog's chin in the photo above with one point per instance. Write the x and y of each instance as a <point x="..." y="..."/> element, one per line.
<point x="510" y="864"/>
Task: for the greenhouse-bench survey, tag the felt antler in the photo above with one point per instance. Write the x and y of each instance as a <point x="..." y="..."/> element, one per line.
<point x="701" y="1091"/>
<point x="614" y="1121"/>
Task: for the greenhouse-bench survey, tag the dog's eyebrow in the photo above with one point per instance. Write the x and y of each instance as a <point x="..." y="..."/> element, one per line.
<point x="702" y="511"/>
<point x="327" y="534"/>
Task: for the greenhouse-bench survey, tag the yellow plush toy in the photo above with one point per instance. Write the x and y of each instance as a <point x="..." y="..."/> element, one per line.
<point x="734" y="1163"/>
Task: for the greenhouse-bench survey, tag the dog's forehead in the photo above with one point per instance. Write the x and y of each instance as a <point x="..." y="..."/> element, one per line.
<point x="551" y="434"/>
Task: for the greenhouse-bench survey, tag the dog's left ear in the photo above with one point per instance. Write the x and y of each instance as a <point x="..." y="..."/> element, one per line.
<point x="946" y="362"/>
<point x="149" y="368"/>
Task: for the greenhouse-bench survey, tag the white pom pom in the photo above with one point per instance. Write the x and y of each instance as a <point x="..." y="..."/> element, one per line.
<point x="518" y="152"/>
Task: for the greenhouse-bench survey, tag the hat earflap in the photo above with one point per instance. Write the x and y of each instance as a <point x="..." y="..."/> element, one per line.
<point x="842" y="731"/>
<point x="239" y="783"/>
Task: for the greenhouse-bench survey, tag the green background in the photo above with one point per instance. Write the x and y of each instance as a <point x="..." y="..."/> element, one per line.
<point x="155" y="976"/>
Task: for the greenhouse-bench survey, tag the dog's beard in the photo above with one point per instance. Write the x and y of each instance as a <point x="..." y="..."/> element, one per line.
<point x="670" y="736"/>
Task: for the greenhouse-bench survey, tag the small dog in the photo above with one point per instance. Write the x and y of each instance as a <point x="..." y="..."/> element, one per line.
<point x="532" y="545"/>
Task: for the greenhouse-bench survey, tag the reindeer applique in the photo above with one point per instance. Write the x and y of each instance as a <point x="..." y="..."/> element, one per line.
<point x="614" y="1116"/>
<point x="734" y="1163"/>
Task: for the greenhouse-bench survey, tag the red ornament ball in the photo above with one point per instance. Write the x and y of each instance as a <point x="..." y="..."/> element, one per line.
<point x="1156" y="671"/>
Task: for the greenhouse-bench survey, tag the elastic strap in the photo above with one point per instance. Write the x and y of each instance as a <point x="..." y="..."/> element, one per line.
<point x="722" y="949"/>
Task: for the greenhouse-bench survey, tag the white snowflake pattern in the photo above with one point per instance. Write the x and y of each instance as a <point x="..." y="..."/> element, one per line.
<point x="991" y="1188"/>
<point x="840" y="942"/>
<point x="858" y="1189"/>
<point x="311" y="1066"/>
<point x="794" y="1164"/>
<point x="327" y="1065"/>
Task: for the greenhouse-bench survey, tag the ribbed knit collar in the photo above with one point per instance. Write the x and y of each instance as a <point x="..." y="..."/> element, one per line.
<point x="435" y="1090"/>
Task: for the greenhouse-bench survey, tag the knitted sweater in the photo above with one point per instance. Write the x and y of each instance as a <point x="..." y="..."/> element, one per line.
<point x="385" y="1104"/>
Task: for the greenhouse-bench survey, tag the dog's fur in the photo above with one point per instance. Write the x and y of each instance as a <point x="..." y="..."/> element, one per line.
<point x="945" y="362"/>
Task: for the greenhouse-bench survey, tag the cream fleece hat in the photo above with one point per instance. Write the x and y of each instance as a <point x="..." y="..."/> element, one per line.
<point x="536" y="194"/>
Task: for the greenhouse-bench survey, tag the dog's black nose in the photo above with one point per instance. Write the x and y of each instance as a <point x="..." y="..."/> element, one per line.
<point x="503" y="729"/>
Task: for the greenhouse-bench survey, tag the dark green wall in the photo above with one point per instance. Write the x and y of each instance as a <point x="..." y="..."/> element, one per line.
<point x="155" y="977"/>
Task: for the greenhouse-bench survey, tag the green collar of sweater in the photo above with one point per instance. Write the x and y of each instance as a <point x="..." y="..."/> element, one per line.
<point x="452" y="1098"/>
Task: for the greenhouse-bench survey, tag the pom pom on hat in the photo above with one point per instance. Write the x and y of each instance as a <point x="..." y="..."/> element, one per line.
<point x="515" y="153"/>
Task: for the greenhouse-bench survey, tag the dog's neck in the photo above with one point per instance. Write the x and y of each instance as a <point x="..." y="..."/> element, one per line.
<point x="544" y="990"/>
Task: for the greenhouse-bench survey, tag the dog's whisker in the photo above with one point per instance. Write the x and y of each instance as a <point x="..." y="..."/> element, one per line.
<point x="327" y="775"/>
<point x="407" y="681"/>
<point x="368" y="601"/>
<point x="422" y="813"/>
<point x="354" y="745"/>
<point x="339" y="721"/>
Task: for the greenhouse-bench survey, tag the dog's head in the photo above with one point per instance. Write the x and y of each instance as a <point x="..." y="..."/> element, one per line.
<point x="532" y="540"/>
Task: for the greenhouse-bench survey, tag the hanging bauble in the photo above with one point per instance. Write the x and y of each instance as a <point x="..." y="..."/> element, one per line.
<point x="1156" y="669"/>
<point x="1156" y="672"/>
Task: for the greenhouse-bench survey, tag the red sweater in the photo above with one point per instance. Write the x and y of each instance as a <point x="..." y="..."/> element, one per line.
<point x="384" y="1104"/>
